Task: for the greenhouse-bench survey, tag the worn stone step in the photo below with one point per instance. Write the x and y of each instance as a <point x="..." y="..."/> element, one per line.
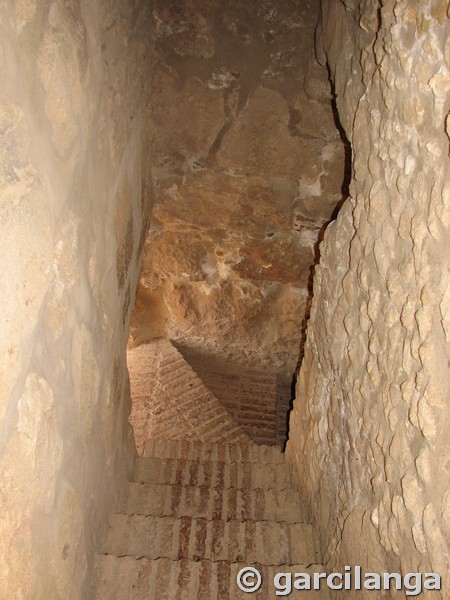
<point x="214" y="503"/>
<point x="196" y="450"/>
<point x="266" y="542"/>
<point x="126" y="578"/>
<point x="212" y="473"/>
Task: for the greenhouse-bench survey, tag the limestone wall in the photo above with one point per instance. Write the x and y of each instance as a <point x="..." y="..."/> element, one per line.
<point x="370" y="429"/>
<point x="248" y="167"/>
<point x="73" y="95"/>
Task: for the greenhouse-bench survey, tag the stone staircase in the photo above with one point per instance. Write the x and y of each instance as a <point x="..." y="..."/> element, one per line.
<point x="196" y="513"/>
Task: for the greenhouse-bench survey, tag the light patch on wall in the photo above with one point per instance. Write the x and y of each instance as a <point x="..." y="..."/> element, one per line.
<point x="28" y="484"/>
<point x="308" y="237"/>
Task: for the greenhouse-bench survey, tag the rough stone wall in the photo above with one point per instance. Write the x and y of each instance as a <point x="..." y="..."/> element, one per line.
<point x="249" y="166"/>
<point x="369" y="432"/>
<point x="73" y="97"/>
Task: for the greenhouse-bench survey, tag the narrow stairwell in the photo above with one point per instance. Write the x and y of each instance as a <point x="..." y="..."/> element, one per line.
<point x="197" y="513"/>
<point x="205" y="500"/>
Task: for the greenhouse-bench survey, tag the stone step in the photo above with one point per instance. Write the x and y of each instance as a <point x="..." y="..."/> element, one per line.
<point x="213" y="503"/>
<point x="266" y="542"/>
<point x="196" y="450"/>
<point x="212" y="473"/>
<point x="126" y="578"/>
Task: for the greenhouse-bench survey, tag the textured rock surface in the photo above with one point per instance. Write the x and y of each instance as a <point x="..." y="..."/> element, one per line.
<point x="249" y="166"/>
<point x="369" y="434"/>
<point x="71" y="215"/>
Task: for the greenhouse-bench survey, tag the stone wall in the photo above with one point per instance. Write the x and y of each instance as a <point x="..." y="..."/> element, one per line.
<point x="369" y="432"/>
<point x="248" y="168"/>
<point x="73" y="156"/>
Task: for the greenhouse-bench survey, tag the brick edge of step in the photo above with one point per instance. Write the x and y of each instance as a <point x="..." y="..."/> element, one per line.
<point x="259" y="504"/>
<point x="266" y="542"/>
<point x="128" y="578"/>
<point x="213" y="473"/>
<point x="220" y="451"/>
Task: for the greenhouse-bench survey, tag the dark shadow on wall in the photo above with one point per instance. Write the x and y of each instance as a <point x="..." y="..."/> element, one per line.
<point x="345" y="187"/>
<point x="344" y="195"/>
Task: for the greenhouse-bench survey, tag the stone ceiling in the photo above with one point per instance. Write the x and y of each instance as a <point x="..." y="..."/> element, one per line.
<point x="248" y="168"/>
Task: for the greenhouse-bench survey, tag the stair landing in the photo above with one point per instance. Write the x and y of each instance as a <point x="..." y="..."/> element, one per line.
<point x="170" y="401"/>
